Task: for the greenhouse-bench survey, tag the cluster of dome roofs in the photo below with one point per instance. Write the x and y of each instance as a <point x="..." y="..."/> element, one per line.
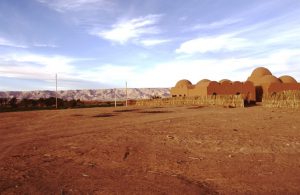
<point x="261" y="81"/>
<point x="262" y="75"/>
<point x="258" y="77"/>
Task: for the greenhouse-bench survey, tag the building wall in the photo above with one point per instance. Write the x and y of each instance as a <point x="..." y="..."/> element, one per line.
<point x="198" y="91"/>
<point x="179" y="92"/>
<point x="247" y="90"/>
<point x="278" y="87"/>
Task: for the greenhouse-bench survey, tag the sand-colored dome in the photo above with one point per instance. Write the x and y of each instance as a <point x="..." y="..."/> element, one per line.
<point x="268" y="79"/>
<point x="287" y="79"/>
<point x="260" y="72"/>
<point x="225" y="81"/>
<point x="202" y="82"/>
<point x="248" y="83"/>
<point x="183" y="83"/>
<point x="237" y="82"/>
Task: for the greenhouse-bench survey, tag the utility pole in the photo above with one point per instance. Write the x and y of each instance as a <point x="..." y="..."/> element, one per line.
<point x="115" y="98"/>
<point x="56" y="90"/>
<point x="126" y="93"/>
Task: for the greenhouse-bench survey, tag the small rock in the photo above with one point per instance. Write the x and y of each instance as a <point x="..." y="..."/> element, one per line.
<point x="193" y="158"/>
<point x="84" y="175"/>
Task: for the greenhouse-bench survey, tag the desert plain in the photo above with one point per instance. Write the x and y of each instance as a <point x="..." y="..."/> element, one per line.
<point x="151" y="150"/>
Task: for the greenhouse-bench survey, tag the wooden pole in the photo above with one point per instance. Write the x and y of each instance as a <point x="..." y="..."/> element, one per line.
<point x="115" y="98"/>
<point x="126" y="93"/>
<point x="56" y="90"/>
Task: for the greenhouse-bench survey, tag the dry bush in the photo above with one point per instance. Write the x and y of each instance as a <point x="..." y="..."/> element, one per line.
<point x="284" y="99"/>
<point x="212" y="100"/>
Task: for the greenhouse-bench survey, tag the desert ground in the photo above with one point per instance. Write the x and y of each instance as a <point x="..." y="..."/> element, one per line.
<point x="139" y="150"/>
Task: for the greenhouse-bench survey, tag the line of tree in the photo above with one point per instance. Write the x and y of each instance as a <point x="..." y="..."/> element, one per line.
<point x="38" y="103"/>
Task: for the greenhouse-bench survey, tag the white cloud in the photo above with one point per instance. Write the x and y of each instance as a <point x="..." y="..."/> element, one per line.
<point x="5" y="42"/>
<point x="283" y="36"/>
<point x="217" y="24"/>
<point x="9" y="43"/>
<point x="183" y="18"/>
<point x="45" y="45"/>
<point x="153" y="42"/>
<point x="108" y="73"/>
<point x="76" y="5"/>
<point x="34" y="66"/>
<point x="124" y="31"/>
<point x="168" y="73"/>
<point x="213" y="44"/>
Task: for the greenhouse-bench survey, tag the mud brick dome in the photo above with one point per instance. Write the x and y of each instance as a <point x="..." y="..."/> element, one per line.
<point x="257" y="74"/>
<point x="225" y="81"/>
<point x="203" y="82"/>
<point x="287" y="79"/>
<point x="261" y="71"/>
<point x="267" y="79"/>
<point x="184" y="84"/>
<point x="260" y="82"/>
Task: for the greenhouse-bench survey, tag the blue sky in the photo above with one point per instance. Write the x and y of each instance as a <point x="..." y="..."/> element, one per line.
<point x="94" y="44"/>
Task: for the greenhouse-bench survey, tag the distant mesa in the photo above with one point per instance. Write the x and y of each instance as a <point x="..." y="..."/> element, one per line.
<point x="260" y="82"/>
<point x="92" y="94"/>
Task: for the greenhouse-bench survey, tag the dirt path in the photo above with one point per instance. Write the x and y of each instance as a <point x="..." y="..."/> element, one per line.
<point x="179" y="150"/>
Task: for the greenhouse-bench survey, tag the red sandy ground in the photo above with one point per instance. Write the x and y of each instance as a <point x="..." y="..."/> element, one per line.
<point x="175" y="150"/>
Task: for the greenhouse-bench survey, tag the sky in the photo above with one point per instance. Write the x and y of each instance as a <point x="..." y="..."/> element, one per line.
<point x="95" y="44"/>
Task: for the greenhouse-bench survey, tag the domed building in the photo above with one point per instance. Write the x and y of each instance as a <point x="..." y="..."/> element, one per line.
<point x="268" y="79"/>
<point x="266" y="83"/>
<point x="205" y="87"/>
<point x="225" y="81"/>
<point x="182" y="88"/>
<point x="287" y="79"/>
<point x="260" y="82"/>
<point x="184" y="84"/>
<point x="202" y="83"/>
<point x="257" y="74"/>
<point x="260" y="72"/>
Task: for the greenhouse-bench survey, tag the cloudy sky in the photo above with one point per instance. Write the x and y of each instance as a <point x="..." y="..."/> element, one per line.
<point x="149" y="43"/>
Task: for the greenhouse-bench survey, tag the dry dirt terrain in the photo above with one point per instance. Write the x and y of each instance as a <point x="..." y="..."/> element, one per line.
<point x="174" y="150"/>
